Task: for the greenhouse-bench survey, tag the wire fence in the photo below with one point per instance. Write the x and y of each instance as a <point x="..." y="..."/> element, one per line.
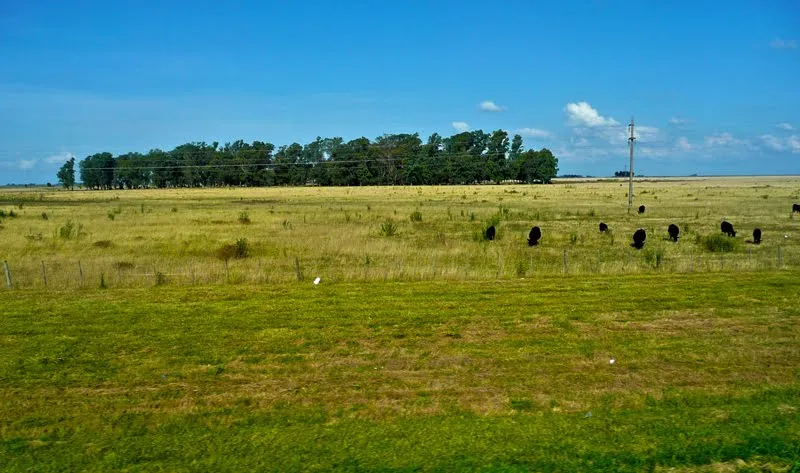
<point x="28" y="273"/>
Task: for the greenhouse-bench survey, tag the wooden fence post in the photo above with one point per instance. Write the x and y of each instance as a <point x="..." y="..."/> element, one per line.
<point x="8" y="274"/>
<point x="297" y="268"/>
<point x="44" y="274"/>
<point x="80" y="272"/>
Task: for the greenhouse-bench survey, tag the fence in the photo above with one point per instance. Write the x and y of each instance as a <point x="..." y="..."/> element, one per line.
<point x="25" y="273"/>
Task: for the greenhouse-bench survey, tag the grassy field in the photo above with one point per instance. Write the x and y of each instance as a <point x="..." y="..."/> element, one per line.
<point x="407" y="376"/>
<point x="426" y="350"/>
<point x="129" y="237"/>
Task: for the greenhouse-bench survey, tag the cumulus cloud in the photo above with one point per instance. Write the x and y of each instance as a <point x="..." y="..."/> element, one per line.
<point x="534" y="133"/>
<point x="26" y="164"/>
<point x="779" y="43"/>
<point x="489" y="106"/>
<point x="683" y="144"/>
<point x="461" y="127"/>
<point x="582" y="114"/>
<point x="773" y="142"/>
<point x="59" y="158"/>
<point x="785" y="126"/>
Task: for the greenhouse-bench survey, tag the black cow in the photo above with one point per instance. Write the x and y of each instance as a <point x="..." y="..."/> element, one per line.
<point x="727" y="229"/>
<point x="641" y="209"/>
<point x="490" y="232"/>
<point x="673" y="231"/>
<point x="757" y="236"/>
<point x="639" y="236"/>
<point x="795" y="208"/>
<point x="534" y="236"/>
<point x="603" y="227"/>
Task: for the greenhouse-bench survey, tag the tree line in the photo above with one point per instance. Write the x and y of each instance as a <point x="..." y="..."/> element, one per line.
<point x="391" y="159"/>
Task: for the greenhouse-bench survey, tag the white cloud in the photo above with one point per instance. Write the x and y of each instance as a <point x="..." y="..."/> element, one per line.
<point x="461" y="127"/>
<point x="683" y="144"/>
<point x="654" y="152"/>
<point x="679" y="121"/>
<point x="26" y="164"/>
<point x="489" y="106"/>
<point x="785" y="126"/>
<point x="773" y="142"/>
<point x="59" y="158"/>
<point x="534" y="133"/>
<point x="722" y="139"/>
<point x="794" y="143"/>
<point x="582" y="114"/>
<point x="779" y="43"/>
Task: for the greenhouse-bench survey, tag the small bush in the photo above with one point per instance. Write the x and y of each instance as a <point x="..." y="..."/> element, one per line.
<point x="174" y="209"/>
<point x="111" y="215"/>
<point x="161" y="278"/>
<point x="573" y="238"/>
<point x="244" y="217"/>
<point x="654" y="256"/>
<point x="69" y="230"/>
<point x="719" y="243"/>
<point x="522" y="268"/>
<point x="44" y="216"/>
<point x="416" y="216"/>
<point x="286" y="225"/>
<point x="240" y="249"/>
<point x="388" y="228"/>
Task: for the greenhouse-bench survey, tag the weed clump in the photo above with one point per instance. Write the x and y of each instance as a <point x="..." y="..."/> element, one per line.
<point x="70" y="230"/>
<point x="416" y="216"/>
<point x="388" y="228"/>
<point x="239" y="250"/>
<point x="244" y="217"/>
<point x="719" y="243"/>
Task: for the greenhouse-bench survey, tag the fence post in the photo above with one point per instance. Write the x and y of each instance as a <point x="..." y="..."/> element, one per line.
<point x="297" y="268"/>
<point x="44" y="274"/>
<point x="80" y="272"/>
<point x="565" y="262"/>
<point x="8" y="274"/>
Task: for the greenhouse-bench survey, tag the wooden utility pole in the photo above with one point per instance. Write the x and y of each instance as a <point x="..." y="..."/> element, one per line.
<point x="630" y="170"/>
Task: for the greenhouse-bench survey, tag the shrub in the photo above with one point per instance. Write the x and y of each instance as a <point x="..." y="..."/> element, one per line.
<point x="69" y="230"/>
<point x="161" y="278"/>
<point x="719" y="243"/>
<point x="388" y="228"/>
<point x="244" y="217"/>
<point x="416" y="216"/>
<point x="44" y="216"/>
<point x="240" y="249"/>
<point x="111" y="215"/>
<point x="654" y="256"/>
<point x="573" y="238"/>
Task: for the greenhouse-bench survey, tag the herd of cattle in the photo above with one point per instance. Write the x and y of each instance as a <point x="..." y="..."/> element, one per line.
<point x="639" y="236"/>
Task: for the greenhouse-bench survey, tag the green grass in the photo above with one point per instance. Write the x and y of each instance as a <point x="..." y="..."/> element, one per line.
<point x="502" y="375"/>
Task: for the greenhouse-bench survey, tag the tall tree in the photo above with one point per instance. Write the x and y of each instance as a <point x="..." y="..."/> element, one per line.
<point x="66" y="175"/>
<point x="496" y="151"/>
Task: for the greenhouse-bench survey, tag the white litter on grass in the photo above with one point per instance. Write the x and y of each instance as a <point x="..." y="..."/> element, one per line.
<point x="611" y="361"/>
<point x="786" y="236"/>
<point x="316" y="281"/>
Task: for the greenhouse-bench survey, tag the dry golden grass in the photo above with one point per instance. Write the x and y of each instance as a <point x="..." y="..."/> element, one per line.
<point x="335" y="233"/>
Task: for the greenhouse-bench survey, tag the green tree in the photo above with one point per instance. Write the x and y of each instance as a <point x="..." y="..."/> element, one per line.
<point x="496" y="168"/>
<point x="66" y="175"/>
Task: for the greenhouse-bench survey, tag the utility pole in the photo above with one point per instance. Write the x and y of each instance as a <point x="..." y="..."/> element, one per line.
<point x="630" y="170"/>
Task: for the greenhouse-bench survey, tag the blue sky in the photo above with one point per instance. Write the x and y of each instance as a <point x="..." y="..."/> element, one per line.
<point x="713" y="85"/>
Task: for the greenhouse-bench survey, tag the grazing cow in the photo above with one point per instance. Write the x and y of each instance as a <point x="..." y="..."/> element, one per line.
<point x="641" y="209"/>
<point x="639" y="236"/>
<point x="757" y="236"/>
<point x="603" y="227"/>
<point x="727" y="229"/>
<point x="795" y="208"/>
<point x="534" y="236"/>
<point x="673" y="231"/>
<point x="490" y="232"/>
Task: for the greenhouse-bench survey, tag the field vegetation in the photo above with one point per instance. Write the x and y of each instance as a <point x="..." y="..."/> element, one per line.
<point x="391" y="233"/>
<point x="180" y="330"/>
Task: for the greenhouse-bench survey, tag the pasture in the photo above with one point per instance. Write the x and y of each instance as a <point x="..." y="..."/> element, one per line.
<point x="176" y="236"/>
<point x="429" y="349"/>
